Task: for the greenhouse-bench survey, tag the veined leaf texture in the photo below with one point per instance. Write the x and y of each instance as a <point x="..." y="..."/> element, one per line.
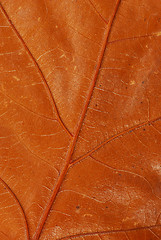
<point x="80" y="119"/>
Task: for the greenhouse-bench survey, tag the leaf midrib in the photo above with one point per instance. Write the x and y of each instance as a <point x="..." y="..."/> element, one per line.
<point x="79" y="125"/>
<point x="74" y="137"/>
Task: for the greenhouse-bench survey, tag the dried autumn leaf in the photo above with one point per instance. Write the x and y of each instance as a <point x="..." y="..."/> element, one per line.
<point x="80" y="119"/>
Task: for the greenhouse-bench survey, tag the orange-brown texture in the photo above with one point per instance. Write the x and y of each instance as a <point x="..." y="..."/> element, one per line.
<point x="80" y="119"/>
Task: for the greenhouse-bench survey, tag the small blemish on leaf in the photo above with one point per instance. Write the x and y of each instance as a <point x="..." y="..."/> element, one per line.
<point x="15" y="77"/>
<point x="77" y="209"/>
<point x="132" y="82"/>
<point x="158" y="34"/>
<point x="87" y="215"/>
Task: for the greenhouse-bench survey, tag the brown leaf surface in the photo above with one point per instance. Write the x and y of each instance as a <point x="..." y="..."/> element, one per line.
<point x="80" y="129"/>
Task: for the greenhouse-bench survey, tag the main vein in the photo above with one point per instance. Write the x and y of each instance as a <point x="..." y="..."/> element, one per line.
<point x="78" y="127"/>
